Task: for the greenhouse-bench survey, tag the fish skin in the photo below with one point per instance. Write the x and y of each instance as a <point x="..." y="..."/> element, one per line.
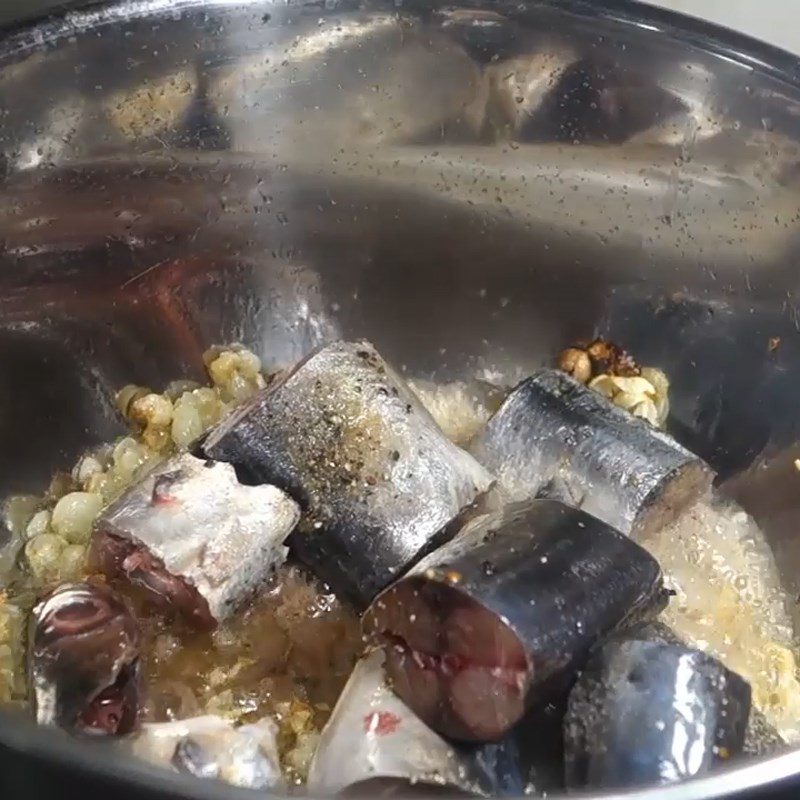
<point x="372" y="735"/>
<point x="555" y="435"/>
<point x="547" y="579"/>
<point x="220" y="537"/>
<point x="761" y="737"/>
<point x="377" y="480"/>
<point x="648" y="712"/>
<point x="210" y="747"/>
<point x="83" y="641"/>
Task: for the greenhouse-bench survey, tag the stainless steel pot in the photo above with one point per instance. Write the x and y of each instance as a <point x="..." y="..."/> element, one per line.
<point x="471" y="186"/>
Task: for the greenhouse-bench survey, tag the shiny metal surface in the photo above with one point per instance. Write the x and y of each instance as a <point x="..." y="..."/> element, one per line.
<point x="470" y="186"/>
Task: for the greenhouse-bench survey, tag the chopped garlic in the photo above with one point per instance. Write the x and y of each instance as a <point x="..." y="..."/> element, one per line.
<point x="86" y="467"/>
<point x="298" y="759"/>
<point x="74" y="515"/>
<point x="18" y="510"/>
<point x="11" y="649"/>
<point x="187" y="425"/>
<point x="73" y="561"/>
<point x="40" y="523"/>
<point x="43" y="554"/>
<point x="730" y="603"/>
<point x="236" y="372"/>
<point x="127" y="395"/>
<point x="643" y="396"/>
<point x="152" y="409"/>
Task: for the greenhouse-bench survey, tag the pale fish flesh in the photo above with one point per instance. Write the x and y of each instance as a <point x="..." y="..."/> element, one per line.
<point x="373" y="739"/>
<point x="212" y="748"/>
<point x="196" y="539"/>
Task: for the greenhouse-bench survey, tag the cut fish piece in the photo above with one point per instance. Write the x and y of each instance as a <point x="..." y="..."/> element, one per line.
<point x="378" y="481"/>
<point x="197" y="540"/>
<point x="83" y="661"/>
<point x="210" y="747"/>
<point x="373" y="736"/>
<point x="647" y="712"/>
<point x="554" y="432"/>
<point x="520" y="597"/>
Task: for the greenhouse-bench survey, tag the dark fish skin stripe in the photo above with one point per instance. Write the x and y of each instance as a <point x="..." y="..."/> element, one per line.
<point x="648" y="712"/>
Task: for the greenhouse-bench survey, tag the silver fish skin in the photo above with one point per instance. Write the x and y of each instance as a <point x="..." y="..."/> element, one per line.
<point x="193" y="521"/>
<point x="555" y="436"/>
<point x="212" y="748"/>
<point x="83" y="661"/>
<point x="377" y="479"/>
<point x="647" y="712"/>
<point x="373" y="736"/>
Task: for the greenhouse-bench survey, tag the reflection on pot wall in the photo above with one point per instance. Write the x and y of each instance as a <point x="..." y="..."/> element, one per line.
<point x="284" y="174"/>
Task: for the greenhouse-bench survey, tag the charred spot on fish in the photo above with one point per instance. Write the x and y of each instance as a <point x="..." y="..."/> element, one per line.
<point x="636" y="675"/>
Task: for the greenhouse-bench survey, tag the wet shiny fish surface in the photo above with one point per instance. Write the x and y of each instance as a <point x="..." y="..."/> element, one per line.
<point x="647" y="712"/>
<point x="500" y="618"/>
<point x="210" y="747"/>
<point x="83" y="661"/>
<point x="373" y="734"/>
<point x="377" y="480"/>
<point x="556" y="435"/>
<point x="196" y="538"/>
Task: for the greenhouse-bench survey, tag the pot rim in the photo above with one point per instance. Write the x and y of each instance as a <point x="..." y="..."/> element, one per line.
<point x="23" y="736"/>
